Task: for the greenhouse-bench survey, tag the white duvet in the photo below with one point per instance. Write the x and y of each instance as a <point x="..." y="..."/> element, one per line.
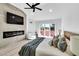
<point x="44" y="49"/>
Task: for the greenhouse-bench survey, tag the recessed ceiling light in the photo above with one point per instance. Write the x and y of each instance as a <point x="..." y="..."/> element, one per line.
<point x="50" y="10"/>
<point x="32" y="14"/>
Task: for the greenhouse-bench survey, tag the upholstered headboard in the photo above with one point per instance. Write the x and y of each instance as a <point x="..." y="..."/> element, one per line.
<point x="67" y="34"/>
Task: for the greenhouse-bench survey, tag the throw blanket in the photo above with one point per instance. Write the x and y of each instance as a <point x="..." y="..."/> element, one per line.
<point x="30" y="48"/>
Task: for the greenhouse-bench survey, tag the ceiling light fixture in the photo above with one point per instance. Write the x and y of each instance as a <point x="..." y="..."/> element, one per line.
<point x="50" y="10"/>
<point x="32" y="14"/>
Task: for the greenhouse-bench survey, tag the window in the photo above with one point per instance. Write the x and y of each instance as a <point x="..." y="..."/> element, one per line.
<point x="47" y="30"/>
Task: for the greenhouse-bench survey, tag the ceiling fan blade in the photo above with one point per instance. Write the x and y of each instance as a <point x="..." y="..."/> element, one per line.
<point x="38" y="8"/>
<point x="29" y="5"/>
<point x="34" y="10"/>
<point x="27" y="8"/>
<point x="36" y="4"/>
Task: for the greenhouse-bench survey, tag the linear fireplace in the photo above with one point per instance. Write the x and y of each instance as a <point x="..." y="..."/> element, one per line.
<point x="8" y="34"/>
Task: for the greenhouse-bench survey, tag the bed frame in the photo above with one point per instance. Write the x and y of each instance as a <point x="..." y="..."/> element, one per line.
<point x="67" y="34"/>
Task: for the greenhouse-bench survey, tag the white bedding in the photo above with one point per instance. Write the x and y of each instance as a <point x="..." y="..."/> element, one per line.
<point x="44" y="49"/>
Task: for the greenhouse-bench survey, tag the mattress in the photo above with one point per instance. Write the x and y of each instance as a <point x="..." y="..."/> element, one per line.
<point x="44" y="49"/>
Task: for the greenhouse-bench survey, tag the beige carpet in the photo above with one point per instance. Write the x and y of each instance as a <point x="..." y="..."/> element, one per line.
<point x="12" y="50"/>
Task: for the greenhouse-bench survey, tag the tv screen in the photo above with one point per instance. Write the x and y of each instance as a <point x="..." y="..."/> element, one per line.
<point x="14" y="19"/>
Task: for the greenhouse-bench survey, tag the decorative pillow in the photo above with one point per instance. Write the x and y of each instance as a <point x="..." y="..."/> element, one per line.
<point x="68" y="48"/>
<point x="55" y="41"/>
<point x="62" y="45"/>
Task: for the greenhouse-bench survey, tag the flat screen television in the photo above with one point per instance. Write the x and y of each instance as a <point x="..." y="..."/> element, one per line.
<point x="14" y="19"/>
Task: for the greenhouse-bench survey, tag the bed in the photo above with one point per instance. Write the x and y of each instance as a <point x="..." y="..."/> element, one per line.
<point x="40" y="48"/>
<point x="44" y="49"/>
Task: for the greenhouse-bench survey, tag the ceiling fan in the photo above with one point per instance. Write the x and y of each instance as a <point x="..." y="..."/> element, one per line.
<point x="33" y="6"/>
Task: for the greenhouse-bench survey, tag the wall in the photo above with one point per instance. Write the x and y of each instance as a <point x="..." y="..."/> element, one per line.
<point x="4" y="7"/>
<point x="68" y="12"/>
<point x="31" y="26"/>
<point x="57" y="22"/>
<point x="70" y="17"/>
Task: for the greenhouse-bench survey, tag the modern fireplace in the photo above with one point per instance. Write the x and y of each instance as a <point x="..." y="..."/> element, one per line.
<point x="8" y="34"/>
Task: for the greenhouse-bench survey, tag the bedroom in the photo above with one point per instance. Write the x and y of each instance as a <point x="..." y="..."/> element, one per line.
<point x="53" y="21"/>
